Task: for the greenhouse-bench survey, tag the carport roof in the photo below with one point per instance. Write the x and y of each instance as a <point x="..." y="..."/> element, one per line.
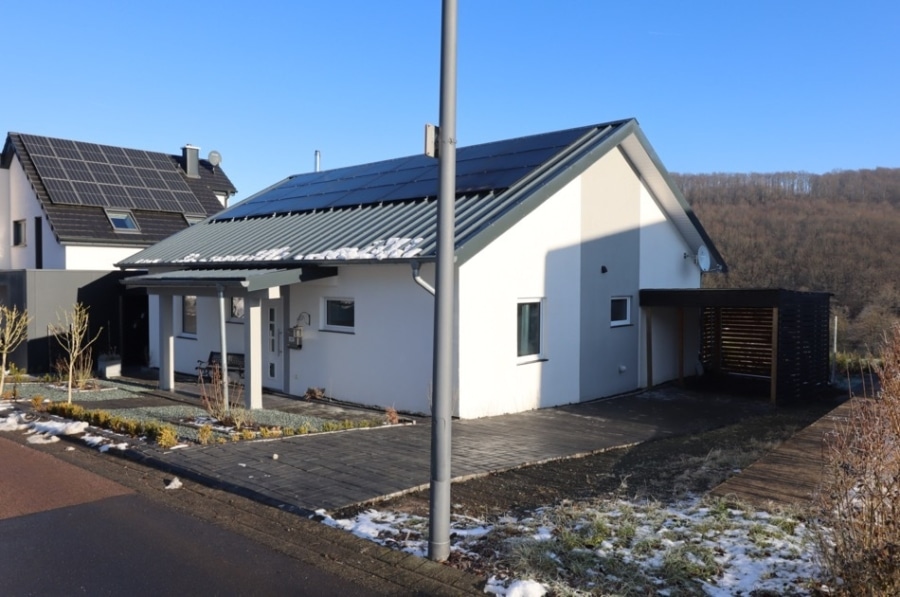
<point x="725" y="297"/>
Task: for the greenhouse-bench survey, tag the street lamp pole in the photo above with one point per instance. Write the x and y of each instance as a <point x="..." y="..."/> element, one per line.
<point x="439" y="522"/>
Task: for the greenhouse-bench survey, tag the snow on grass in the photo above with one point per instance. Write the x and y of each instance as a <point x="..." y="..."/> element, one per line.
<point x="618" y="546"/>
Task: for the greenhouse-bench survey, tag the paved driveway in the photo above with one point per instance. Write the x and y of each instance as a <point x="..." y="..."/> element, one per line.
<point x="335" y="470"/>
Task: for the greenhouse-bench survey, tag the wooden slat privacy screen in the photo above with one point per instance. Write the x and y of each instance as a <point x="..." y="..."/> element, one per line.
<point x="769" y="333"/>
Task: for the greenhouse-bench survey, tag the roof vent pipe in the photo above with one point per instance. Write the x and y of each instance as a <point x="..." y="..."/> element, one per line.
<point x="318" y="159"/>
<point x="191" y="157"/>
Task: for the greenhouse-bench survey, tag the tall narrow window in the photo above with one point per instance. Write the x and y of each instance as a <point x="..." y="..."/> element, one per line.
<point x="189" y="315"/>
<point x="340" y="314"/>
<point x="620" y="311"/>
<point x="19" y="233"/>
<point x="529" y="329"/>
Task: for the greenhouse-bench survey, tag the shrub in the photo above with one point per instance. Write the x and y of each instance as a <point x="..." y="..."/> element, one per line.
<point x="859" y="501"/>
<point x="37" y="402"/>
<point x="166" y="438"/>
<point x="391" y="416"/>
<point x="205" y="434"/>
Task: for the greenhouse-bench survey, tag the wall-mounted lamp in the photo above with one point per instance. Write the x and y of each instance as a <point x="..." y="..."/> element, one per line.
<point x="603" y="269"/>
<point x="295" y="339"/>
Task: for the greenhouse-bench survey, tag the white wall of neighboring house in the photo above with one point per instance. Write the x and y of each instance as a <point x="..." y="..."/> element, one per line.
<point x="538" y="258"/>
<point x="93" y="258"/>
<point x="20" y="203"/>
<point x="6" y="227"/>
<point x="23" y="205"/>
<point x="387" y="359"/>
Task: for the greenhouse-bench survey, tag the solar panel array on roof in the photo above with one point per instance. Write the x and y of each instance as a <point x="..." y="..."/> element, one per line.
<point x="76" y="173"/>
<point x="486" y="167"/>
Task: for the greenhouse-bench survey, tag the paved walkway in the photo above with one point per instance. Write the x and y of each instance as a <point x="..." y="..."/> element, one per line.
<point x="336" y="470"/>
<point x="790" y="474"/>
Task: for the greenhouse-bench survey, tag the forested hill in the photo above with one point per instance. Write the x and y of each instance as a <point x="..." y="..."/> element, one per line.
<point x="837" y="232"/>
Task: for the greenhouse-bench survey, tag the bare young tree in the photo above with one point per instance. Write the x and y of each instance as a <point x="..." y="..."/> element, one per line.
<point x="13" y="331"/>
<point x="72" y="334"/>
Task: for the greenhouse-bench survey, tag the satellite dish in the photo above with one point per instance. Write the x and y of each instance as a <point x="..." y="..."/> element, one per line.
<point x="703" y="258"/>
<point x="215" y="158"/>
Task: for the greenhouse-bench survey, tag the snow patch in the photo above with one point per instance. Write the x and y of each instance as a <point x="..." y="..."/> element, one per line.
<point x="392" y="248"/>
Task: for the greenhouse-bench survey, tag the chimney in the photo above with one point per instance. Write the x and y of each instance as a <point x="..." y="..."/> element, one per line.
<point x="191" y="157"/>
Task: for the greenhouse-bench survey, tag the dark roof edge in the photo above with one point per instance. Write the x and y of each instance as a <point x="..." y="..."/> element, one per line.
<point x="688" y="210"/>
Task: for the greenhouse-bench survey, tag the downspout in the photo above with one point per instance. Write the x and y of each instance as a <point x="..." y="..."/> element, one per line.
<point x="419" y="280"/>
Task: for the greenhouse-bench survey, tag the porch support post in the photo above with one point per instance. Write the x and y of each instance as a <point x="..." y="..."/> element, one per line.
<point x="681" y="346"/>
<point x="649" y="313"/>
<point x="166" y="343"/>
<point x="253" y="351"/>
<point x="223" y="346"/>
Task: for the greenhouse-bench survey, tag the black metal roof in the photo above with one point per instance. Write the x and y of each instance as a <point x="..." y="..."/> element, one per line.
<point x="75" y="182"/>
<point x="386" y="210"/>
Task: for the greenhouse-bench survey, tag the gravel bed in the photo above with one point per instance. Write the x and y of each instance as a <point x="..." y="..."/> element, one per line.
<point x="56" y="393"/>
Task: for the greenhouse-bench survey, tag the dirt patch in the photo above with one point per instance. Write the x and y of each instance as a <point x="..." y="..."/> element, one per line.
<point x="661" y="469"/>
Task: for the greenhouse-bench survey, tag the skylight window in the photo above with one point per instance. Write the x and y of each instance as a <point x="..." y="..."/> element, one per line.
<point x="122" y="221"/>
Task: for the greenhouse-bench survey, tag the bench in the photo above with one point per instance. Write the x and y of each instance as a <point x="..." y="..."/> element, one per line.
<point x="214" y="361"/>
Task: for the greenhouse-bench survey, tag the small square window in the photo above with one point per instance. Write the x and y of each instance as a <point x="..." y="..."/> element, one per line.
<point x="620" y="311"/>
<point x="122" y="221"/>
<point x="529" y="334"/>
<point x="340" y="314"/>
<point x="19" y="233"/>
<point x="189" y="315"/>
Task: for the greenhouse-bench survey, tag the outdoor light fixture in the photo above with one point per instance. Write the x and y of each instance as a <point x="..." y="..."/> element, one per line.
<point x="295" y="340"/>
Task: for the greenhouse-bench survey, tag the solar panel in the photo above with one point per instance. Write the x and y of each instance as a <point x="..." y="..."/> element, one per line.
<point x="79" y="173"/>
<point x="485" y="167"/>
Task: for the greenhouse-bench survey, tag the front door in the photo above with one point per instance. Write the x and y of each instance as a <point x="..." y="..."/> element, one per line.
<point x="273" y="345"/>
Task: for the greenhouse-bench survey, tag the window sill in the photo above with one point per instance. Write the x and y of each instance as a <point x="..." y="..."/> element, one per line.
<point x="186" y="336"/>
<point x="530" y="360"/>
<point x="334" y="331"/>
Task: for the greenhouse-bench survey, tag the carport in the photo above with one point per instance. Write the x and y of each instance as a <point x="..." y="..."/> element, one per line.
<point x="769" y="333"/>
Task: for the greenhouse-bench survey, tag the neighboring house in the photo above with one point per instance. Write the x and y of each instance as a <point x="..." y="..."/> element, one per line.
<point x="556" y="234"/>
<point x="70" y="211"/>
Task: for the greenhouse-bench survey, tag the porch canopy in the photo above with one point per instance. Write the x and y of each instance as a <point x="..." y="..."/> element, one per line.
<point x="769" y="333"/>
<point x="252" y="284"/>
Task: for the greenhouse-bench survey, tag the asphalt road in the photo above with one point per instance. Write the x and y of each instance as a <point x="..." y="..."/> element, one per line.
<point x="67" y="531"/>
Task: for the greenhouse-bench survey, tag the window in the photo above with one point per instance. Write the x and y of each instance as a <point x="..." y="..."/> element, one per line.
<point x="529" y="321"/>
<point x="19" y="233"/>
<point x="189" y="315"/>
<point x="339" y="314"/>
<point x="620" y="311"/>
<point x="122" y="221"/>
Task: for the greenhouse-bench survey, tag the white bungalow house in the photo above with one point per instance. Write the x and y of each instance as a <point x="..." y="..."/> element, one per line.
<point x="69" y="211"/>
<point x="319" y="280"/>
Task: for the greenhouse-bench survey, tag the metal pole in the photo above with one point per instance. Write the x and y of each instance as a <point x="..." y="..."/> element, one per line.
<point x="223" y="346"/>
<point x="439" y="527"/>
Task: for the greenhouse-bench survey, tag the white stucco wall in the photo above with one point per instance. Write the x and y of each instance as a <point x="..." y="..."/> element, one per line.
<point x="190" y="348"/>
<point x="22" y="205"/>
<point x="663" y="265"/>
<point x="387" y="360"/>
<point x="79" y="257"/>
<point x="537" y="258"/>
<point x="6" y="227"/>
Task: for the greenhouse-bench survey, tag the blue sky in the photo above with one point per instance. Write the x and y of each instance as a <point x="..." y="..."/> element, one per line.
<point x="718" y="86"/>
